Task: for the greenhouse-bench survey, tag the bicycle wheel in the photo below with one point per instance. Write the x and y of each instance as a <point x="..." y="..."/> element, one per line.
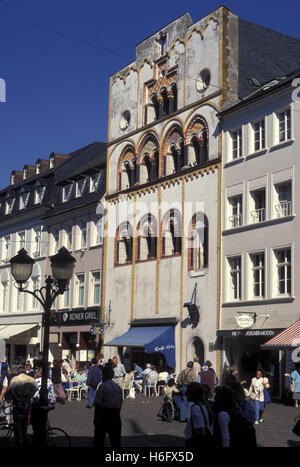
<point x="57" y="438"/>
<point x="6" y="435"/>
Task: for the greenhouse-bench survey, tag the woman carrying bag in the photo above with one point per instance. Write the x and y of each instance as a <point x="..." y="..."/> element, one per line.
<point x="295" y="382"/>
<point x="258" y="392"/>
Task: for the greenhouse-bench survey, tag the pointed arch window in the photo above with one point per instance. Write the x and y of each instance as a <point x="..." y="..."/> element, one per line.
<point x="198" y="243"/>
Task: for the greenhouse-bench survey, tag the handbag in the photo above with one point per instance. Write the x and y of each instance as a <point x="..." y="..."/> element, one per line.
<point x="296" y="429"/>
<point x="201" y="437"/>
<point x="292" y="386"/>
<point x="267" y="398"/>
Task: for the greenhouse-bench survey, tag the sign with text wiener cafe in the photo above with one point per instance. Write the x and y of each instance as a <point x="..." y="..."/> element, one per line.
<point x="79" y="317"/>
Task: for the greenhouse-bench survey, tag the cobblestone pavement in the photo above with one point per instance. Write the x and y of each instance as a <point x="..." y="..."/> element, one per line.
<point x="142" y="428"/>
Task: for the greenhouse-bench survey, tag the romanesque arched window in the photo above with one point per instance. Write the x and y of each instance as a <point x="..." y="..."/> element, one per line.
<point x="147" y="238"/>
<point x="173" y="151"/>
<point x="197" y="141"/>
<point x="148" y="159"/>
<point x="198" y="242"/>
<point x="128" y="169"/>
<point x="123" y="244"/>
<point x="171" y="233"/>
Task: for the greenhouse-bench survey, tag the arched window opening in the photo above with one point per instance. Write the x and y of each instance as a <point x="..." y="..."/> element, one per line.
<point x="147" y="239"/>
<point x="124" y="245"/>
<point x="198" y="242"/>
<point x="171" y="238"/>
<point x="174" y="99"/>
<point x="165" y="99"/>
<point x="155" y="104"/>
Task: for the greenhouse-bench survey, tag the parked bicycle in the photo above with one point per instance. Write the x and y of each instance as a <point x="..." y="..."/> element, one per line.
<point x="13" y="433"/>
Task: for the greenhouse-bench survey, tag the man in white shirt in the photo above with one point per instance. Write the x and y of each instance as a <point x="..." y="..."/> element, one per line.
<point x="119" y="372"/>
<point x="108" y="403"/>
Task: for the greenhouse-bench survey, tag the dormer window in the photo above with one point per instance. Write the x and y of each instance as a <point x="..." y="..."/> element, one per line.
<point x="13" y="179"/>
<point x="25" y="173"/>
<point x="23" y="198"/>
<point x="38" y="194"/>
<point x="38" y="168"/>
<point x="94" y="180"/>
<point x="9" y="204"/>
<point x="51" y="162"/>
<point x="79" y="187"/>
<point x="66" y="192"/>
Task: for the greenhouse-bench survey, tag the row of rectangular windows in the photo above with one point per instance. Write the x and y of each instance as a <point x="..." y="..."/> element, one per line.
<point x="257" y="142"/>
<point x="256" y="275"/>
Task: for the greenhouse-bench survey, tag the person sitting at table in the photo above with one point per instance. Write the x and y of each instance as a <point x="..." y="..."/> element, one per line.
<point x="65" y="380"/>
<point x="81" y="376"/>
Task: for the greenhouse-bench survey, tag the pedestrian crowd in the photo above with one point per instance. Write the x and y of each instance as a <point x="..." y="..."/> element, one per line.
<point x="215" y="415"/>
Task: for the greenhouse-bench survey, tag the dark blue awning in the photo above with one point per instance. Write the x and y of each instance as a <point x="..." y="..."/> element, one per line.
<point x="153" y="338"/>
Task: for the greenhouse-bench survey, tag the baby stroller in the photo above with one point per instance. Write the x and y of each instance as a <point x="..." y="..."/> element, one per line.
<point x="168" y="411"/>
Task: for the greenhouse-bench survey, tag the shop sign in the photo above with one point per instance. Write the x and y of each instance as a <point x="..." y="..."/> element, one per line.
<point x="250" y="333"/>
<point x="80" y="317"/>
<point x="245" y="320"/>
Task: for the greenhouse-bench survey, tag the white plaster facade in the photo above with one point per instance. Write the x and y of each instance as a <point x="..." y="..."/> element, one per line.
<point x="267" y="227"/>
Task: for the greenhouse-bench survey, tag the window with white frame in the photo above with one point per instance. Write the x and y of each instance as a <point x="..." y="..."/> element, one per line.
<point x="4" y="295"/>
<point x="68" y="239"/>
<point x="79" y="187"/>
<point x="80" y="289"/>
<point x="35" y="286"/>
<point x="83" y="235"/>
<point x="38" y="168"/>
<point x="21" y="240"/>
<point x="39" y="194"/>
<point x="66" y="298"/>
<point x="25" y="173"/>
<point x="9" y="204"/>
<point x="258" y="135"/>
<point x="37" y="237"/>
<point x="258" y="275"/>
<point x="23" y="199"/>
<point x="235" y="278"/>
<point x="236" y="143"/>
<point x="54" y="241"/>
<point x="257" y="205"/>
<point x="7" y="248"/>
<point x="94" y="180"/>
<point x="283" y="267"/>
<point x="235" y="218"/>
<point x="66" y="192"/>
<point x="96" y="288"/>
<point x="284" y="125"/>
<point x="19" y="300"/>
<point x="97" y="228"/>
<point x="283" y="199"/>
<point x="51" y="162"/>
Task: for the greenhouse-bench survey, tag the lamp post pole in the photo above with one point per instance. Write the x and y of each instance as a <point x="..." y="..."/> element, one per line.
<point x="62" y="265"/>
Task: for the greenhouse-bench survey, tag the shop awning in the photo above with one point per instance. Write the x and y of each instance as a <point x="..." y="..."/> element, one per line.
<point x="289" y="338"/>
<point x="152" y="338"/>
<point x="13" y="329"/>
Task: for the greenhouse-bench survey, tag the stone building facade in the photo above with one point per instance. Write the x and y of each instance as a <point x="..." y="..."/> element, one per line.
<point x="163" y="244"/>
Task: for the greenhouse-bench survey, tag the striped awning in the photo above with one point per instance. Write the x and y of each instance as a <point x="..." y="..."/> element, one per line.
<point x="287" y="339"/>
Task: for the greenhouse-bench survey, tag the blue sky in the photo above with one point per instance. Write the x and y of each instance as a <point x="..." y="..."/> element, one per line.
<point x="57" y="88"/>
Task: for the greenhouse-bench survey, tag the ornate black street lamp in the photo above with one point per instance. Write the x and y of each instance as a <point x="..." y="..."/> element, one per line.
<point x="62" y="265"/>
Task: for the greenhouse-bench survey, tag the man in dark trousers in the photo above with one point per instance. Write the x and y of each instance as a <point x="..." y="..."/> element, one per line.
<point x="94" y="378"/>
<point x="108" y="403"/>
